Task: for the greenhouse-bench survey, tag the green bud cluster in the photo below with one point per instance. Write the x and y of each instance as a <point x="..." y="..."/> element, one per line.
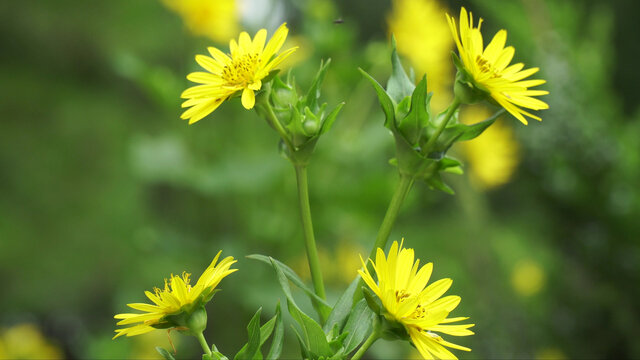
<point x="422" y="139"/>
<point x="302" y="117"/>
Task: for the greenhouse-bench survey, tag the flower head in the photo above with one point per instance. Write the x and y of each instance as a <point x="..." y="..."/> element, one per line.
<point x="487" y="69"/>
<point x="178" y="298"/>
<point x="419" y="308"/>
<point x="243" y="69"/>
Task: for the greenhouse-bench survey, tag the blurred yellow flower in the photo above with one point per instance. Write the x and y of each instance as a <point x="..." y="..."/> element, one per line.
<point x="493" y="156"/>
<point x="177" y="297"/>
<point x="215" y="19"/>
<point x="489" y="72"/>
<point x="422" y="35"/>
<point x="25" y="341"/>
<point x="243" y="69"/>
<point x="528" y="277"/>
<point x="422" y="311"/>
<point x="550" y="354"/>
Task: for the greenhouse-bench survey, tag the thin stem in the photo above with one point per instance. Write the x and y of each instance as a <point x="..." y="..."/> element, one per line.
<point x="309" y="239"/>
<point x="452" y="109"/>
<point x="402" y="189"/>
<point x="367" y="344"/>
<point x="203" y="343"/>
<point x="272" y="119"/>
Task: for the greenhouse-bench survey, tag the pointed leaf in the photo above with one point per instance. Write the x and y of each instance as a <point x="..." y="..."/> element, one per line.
<point x="165" y="354"/>
<point x="293" y="277"/>
<point x="249" y="350"/>
<point x="399" y="86"/>
<point x="385" y="100"/>
<point x="435" y="181"/>
<point x="331" y="118"/>
<point x="411" y="125"/>
<point x="312" y="333"/>
<point x="311" y="99"/>
<point x="278" y="336"/>
<point x="358" y="326"/>
<point x="343" y="307"/>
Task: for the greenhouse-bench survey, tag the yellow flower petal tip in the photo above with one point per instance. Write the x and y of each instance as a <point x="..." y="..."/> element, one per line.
<point x="402" y="288"/>
<point x="489" y="67"/>
<point x="177" y="296"/>
<point x="248" y="62"/>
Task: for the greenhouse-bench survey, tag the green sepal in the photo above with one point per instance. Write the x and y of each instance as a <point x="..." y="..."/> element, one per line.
<point x="385" y="100"/>
<point x="435" y="182"/>
<point x="252" y="346"/>
<point x="399" y="85"/>
<point x="312" y="96"/>
<point x="270" y="76"/>
<point x="465" y="88"/>
<point x="216" y="354"/>
<point x="418" y="116"/>
<point x="331" y="118"/>
<point x="460" y="132"/>
<point x="164" y="353"/>
<point x="358" y="326"/>
<point x="373" y="301"/>
<point x="282" y="95"/>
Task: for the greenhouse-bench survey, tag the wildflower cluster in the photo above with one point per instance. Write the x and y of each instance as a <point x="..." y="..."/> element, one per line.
<point x="391" y="298"/>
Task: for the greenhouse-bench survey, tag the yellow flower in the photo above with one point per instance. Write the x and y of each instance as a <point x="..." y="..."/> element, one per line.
<point x="216" y="19"/>
<point x="489" y="72"/>
<point x="178" y="297"/>
<point x="248" y="63"/>
<point x="407" y="299"/>
<point x="25" y="341"/>
<point x="428" y="48"/>
<point x="493" y="156"/>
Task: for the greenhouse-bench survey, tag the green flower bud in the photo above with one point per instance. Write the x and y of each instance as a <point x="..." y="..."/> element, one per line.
<point x="197" y="320"/>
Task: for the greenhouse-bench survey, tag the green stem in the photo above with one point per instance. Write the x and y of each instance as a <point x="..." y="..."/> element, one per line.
<point x="452" y="109"/>
<point x="203" y="343"/>
<point x="367" y="344"/>
<point x="400" y="194"/>
<point x="309" y="239"/>
<point x="272" y="119"/>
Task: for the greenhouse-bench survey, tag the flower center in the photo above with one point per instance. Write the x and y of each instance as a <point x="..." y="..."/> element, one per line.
<point x="486" y="67"/>
<point x="241" y="70"/>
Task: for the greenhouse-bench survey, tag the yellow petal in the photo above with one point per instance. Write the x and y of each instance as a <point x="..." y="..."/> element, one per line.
<point x="248" y="99"/>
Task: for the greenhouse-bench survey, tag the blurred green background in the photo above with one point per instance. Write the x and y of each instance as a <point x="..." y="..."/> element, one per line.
<point x="105" y="191"/>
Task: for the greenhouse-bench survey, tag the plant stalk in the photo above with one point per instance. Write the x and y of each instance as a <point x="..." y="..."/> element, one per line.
<point x="402" y="189"/>
<point x="203" y="343"/>
<point x="309" y="239"/>
<point x="367" y="344"/>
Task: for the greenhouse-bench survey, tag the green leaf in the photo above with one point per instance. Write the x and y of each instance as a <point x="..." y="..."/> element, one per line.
<point x="343" y="307"/>
<point x="331" y="118"/>
<point x="278" y="336"/>
<point x="399" y="86"/>
<point x="165" y="354"/>
<point x="313" y="335"/>
<point x="418" y="117"/>
<point x="253" y="345"/>
<point x="313" y="338"/>
<point x="385" y="100"/>
<point x="311" y="99"/>
<point x="358" y="326"/>
<point x="293" y="277"/>
<point x="372" y="299"/>
<point x="435" y="182"/>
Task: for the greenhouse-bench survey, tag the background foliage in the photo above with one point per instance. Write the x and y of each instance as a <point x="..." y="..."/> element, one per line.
<point x="104" y="191"/>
